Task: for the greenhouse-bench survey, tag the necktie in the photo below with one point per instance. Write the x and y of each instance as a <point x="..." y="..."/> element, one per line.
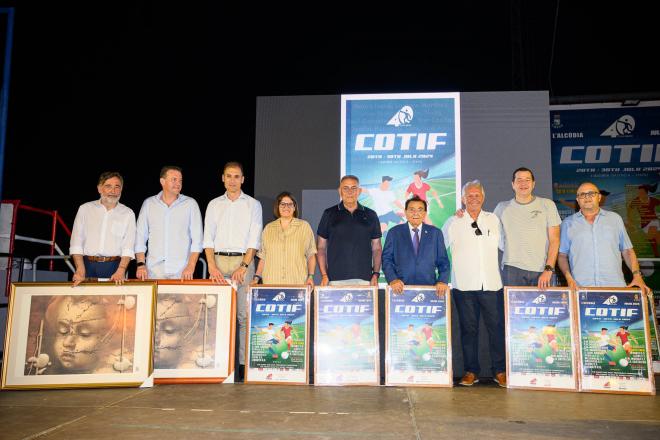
<point x="416" y="240"/>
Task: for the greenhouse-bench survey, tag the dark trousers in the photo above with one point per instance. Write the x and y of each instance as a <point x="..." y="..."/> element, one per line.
<point x="470" y="305"/>
<point x="100" y="270"/>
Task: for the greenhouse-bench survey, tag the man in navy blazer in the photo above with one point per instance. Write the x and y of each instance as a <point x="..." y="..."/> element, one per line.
<point x="414" y="251"/>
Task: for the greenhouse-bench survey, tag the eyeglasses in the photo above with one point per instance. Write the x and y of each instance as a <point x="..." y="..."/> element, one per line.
<point x="286" y="205"/>
<point x="477" y="230"/>
<point x="349" y="188"/>
<point x="588" y="195"/>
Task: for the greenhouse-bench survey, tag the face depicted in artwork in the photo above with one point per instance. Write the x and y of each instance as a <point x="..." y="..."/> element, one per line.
<point x="173" y="322"/>
<point x="81" y="331"/>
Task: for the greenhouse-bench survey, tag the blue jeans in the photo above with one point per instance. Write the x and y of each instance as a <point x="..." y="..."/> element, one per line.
<point x="514" y="276"/>
<point x="95" y="269"/>
<point x="470" y="305"/>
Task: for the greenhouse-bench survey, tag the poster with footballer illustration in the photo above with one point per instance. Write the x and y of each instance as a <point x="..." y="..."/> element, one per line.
<point x="418" y="337"/>
<point x="277" y="335"/>
<point x="346" y="336"/>
<point x="540" y="339"/>
<point x="615" y="342"/>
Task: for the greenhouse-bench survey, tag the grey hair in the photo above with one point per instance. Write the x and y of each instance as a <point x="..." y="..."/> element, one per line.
<point x="471" y="183"/>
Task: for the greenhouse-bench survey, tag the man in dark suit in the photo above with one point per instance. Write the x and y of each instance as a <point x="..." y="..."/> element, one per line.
<point x="415" y="251"/>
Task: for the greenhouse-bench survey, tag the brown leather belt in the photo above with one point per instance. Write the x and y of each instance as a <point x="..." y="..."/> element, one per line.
<point x="101" y="259"/>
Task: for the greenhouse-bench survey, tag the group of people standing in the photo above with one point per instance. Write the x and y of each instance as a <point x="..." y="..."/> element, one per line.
<point x="168" y="237"/>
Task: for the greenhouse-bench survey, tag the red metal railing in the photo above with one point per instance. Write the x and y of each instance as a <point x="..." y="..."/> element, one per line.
<point x="56" y="219"/>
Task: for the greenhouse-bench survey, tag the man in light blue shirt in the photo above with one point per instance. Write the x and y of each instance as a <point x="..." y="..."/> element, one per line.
<point x="593" y="241"/>
<point x="170" y="226"/>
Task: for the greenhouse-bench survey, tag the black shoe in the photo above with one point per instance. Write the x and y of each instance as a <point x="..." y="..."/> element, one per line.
<point x="241" y="373"/>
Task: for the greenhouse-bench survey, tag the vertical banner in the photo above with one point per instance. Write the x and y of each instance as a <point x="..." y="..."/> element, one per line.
<point x="400" y="145"/>
<point x="418" y="338"/>
<point x="617" y="148"/>
<point x="346" y="336"/>
<point x="615" y="349"/>
<point x="277" y="335"/>
<point x="540" y="339"/>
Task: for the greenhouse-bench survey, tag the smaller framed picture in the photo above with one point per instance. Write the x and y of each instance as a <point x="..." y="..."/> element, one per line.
<point x="418" y="338"/>
<point x="195" y="332"/>
<point x="655" y="343"/>
<point x="614" y="341"/>
<point x="278" y="335"/>
<point x="346" y="336"/>
<point x="93" y="335"/>
<point x="540" y="339"/>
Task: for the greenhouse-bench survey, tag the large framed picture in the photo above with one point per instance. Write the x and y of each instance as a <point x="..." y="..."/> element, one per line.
<point x="614" y="341"/>
<point x="195" y="332"/>
<point x="346" y="336"/>
<point x="278" y="335"/>
<point x="540" y="339"/>
<point x="93" y="335"/>
<point x="418" y="337"/>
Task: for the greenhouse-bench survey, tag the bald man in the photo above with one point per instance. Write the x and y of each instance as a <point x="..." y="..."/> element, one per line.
<point x="593" y="241"/>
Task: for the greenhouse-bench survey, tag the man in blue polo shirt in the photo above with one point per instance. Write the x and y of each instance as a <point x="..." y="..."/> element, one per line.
<point x="593" y="241"/>
<point x="349" y="248"/>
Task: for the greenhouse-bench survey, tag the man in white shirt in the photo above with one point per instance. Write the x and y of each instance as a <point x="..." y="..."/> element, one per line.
<point x="477" y="286"/>
<point x="103" y="234"/>
<point x="171" y="224"/>
<point x="232" y="236"/>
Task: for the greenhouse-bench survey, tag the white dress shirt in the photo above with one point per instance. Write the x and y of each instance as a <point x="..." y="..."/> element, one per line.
<point x="233" y="226"/>
<point x="101" y="233"/>
<point x="172" y="232"/>
<point x="474" y="257"/>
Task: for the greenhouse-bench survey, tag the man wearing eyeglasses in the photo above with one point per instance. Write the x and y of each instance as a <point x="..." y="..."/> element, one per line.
<point x="531" y="234"/>
<point x="414" y="252"/>
<point x="477" y="286"/>
<point x="593" y="242"/>
<point x="348" y="245"/>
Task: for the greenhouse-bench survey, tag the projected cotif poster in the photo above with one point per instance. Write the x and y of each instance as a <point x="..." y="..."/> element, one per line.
<point x="617" y="149"/>
<point x="400" y="145"/>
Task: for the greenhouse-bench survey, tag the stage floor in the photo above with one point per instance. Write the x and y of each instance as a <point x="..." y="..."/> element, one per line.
<point x="268" y="412"/>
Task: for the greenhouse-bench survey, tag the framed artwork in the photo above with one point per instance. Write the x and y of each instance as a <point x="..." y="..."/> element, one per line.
<point x="655" y="343"/>
<point x="93" y="335"/>
<point x="346" y="336"/>
<point x="540" y="339"/>
<point x="194" y="332"/>
<point x="278" y="335"/>
<point x="418" y="338"/>
<point x="614" y="341"/>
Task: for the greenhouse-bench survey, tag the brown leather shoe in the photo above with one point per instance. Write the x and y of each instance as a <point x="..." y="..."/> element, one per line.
<point x="469" y="379"/>
<point x="500" y="379"/>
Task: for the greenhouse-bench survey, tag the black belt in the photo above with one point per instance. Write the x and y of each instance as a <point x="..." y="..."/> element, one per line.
<point x="231" y="254"/>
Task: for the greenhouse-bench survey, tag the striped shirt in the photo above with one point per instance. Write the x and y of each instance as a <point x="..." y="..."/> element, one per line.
<point x="526" y="232"/>
<point x="285" y="252"/>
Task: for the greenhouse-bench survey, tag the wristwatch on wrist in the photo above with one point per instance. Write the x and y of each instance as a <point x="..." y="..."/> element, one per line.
<point x="548" y="267"/>
<point x="244" y="264"/>
<point x="140" y="263"/>
<point x="374" y="273"/>
<point x="310" y="275"/>
<point x="637" y="272"/>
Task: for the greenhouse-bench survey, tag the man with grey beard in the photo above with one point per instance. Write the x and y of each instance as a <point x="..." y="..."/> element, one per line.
<point x="103" y="234"/>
